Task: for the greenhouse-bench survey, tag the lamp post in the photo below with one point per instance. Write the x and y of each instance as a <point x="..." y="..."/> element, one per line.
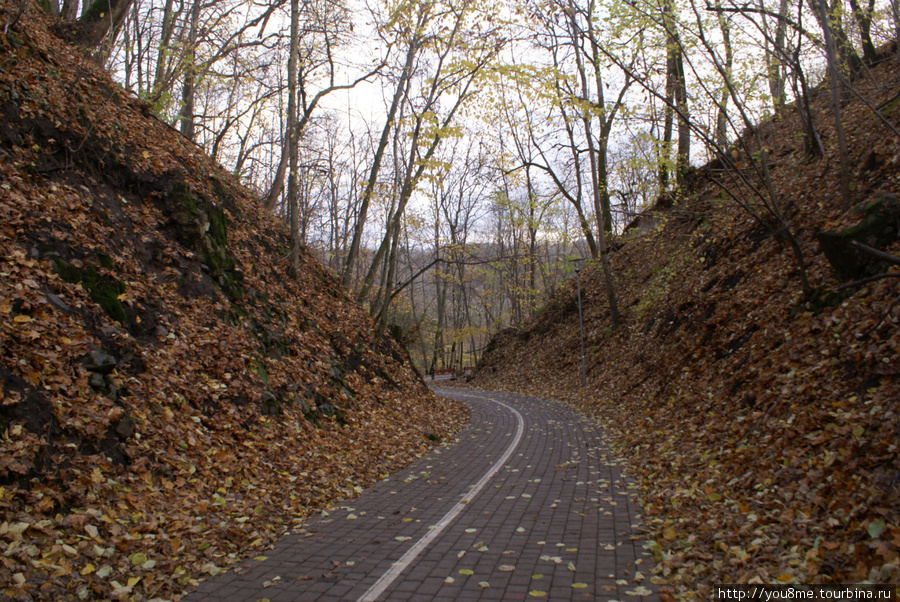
<point x="580" y="322"/>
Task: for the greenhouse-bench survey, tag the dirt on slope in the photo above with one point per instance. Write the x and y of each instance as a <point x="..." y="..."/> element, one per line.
<point x="172" y="400"/>
<point x="762" y="423"/>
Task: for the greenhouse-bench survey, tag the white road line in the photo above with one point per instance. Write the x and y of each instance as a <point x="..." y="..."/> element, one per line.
<point x="398" y="567"/>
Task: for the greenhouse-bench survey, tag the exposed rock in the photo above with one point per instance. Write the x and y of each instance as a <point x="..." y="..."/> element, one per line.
<point x="879" y="227"/>
<point x="124" y="428"/>
<point x="100" y="362"/>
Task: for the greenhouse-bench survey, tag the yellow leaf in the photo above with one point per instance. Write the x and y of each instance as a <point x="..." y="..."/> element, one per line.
<point x="785" y="577"/>
<point x="22" y="318"/>
<point x="146" y="154"/>
<point x="88" y="569"/>
<point x="669" y="533"/>
<point x="132" y="581"/>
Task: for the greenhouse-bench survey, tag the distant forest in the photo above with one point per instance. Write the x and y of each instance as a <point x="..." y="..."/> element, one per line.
<point x="449" y="159"/>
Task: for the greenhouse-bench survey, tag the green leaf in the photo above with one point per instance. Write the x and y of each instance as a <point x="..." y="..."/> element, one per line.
<point x="875" y="528"/>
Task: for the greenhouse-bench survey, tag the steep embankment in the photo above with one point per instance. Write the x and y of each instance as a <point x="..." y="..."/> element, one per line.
<point x="762" y="423"/>
<point x="171" y="399"/>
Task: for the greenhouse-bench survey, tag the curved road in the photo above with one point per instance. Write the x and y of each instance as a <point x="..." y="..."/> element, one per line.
<point x="526" y="504"/>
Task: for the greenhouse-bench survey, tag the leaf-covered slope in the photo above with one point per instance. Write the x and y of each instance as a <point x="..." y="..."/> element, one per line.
<point x="171" y="399"/>
<point x="762" y="424"/>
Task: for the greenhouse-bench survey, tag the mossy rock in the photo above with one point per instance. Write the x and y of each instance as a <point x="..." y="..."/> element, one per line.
<point x="202" y="227"/>
<point x="218" y="226"/>
<point x="820" y="299"/>
<point x="103" y="289"/>
<point x="271" y="405"/>
<point x="879" y="227"/>
<point x="106" y="261"/>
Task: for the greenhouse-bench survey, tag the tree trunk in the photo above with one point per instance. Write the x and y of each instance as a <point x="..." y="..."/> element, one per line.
<point x="830" y="18"/>
<point x="676" y="101"/>
<point x="69" y="11"/>
<point x="722" y="110"/>
<point x="835" y="84"/>
<point x="775" y="53"/>
<point x="399" y="93"/>
<point x="895" y="13"/>
<point x="165" y="37"/>
<point x="863" y="18"/>
<point x="683" y="158"/>
<point x="665" y="149"/>
<point x="98" y="19"/>
<point x="292" y="133"/>
<point x="187" y="91"/>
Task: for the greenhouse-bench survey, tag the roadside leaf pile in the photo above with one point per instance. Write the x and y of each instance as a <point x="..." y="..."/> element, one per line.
<point x="171" y="400"/>
<point x="761" y="423"/>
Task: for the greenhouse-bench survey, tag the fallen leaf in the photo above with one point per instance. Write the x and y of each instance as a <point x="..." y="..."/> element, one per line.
<point x="875" y="528"/>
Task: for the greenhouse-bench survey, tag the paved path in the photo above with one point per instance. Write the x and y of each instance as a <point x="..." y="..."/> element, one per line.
<point x="527" y="504"/>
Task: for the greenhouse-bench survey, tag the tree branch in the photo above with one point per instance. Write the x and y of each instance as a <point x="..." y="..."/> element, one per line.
<point x="868" y="280"/>
<point x="876" y="253"/>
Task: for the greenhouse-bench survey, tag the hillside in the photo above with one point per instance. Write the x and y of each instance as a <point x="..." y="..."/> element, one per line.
<point x="172" y="400"/>
<point x="762" y="423"/>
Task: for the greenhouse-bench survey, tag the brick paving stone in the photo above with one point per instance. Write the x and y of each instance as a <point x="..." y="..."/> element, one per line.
<point x="559" y="501"/>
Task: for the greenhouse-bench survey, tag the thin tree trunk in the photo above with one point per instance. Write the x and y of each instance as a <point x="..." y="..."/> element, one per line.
<point x="835" y="84"/>
<point x="165" y="37"/>
<point x="722" y="110"/>
<point x="399" y="93"/>
<point x="292" y="133"/>
<point x="683" y="158"/>
<point x="895" y="13"/>
<point x="187" y="91"/>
